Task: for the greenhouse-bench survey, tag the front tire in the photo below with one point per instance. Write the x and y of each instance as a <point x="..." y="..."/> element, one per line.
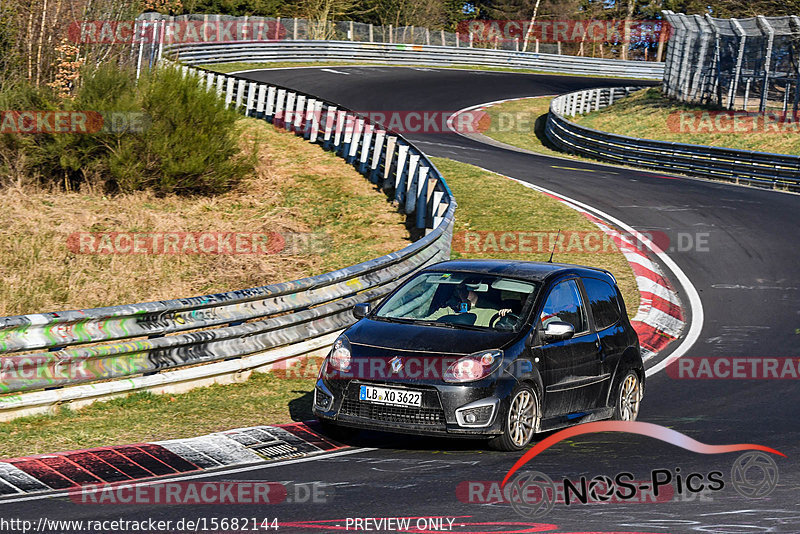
<point x="628" y="397"/>
<point x="521" y="420"/>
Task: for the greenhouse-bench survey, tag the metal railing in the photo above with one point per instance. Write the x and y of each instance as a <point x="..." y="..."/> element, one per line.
<point x="400" y="54"/>
<point x="762" y="169"/>
<point x="155" y="344"/>
<point x="260" y="39"/>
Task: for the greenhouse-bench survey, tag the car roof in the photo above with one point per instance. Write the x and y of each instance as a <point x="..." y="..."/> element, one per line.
<point x="528" y="270"/>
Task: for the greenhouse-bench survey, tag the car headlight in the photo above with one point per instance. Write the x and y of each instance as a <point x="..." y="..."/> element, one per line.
<point x="339" y="358"/>
<point x="474" y="367"/>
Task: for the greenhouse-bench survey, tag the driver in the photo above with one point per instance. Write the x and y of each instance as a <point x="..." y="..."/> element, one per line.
<point x="465" y="299"/>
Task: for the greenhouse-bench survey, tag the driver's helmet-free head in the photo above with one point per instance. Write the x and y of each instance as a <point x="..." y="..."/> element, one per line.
<point x="462" y="295"/>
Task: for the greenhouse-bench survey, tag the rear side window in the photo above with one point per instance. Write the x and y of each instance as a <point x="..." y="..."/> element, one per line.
<point x="603" y="301"/>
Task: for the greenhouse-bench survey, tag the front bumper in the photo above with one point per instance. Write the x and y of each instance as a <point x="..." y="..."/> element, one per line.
<point x="440" y="414"/>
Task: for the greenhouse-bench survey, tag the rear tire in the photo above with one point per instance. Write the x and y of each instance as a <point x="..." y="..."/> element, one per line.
<point x="521" y="420"/>
<point x="628" y="397"/>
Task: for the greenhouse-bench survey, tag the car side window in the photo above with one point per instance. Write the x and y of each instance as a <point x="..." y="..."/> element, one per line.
<point x="603" y="302"/>
<point x="564" y="303"/>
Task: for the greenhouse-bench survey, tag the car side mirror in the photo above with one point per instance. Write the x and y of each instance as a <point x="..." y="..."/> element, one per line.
<point x="361" y="310"/>
<point x="558" y="331"/>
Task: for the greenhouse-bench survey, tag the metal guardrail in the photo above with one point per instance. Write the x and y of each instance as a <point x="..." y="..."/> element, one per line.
<point x="158" y="343"/>
<point x="762" y="169"/>
<point x="402" y="54"/>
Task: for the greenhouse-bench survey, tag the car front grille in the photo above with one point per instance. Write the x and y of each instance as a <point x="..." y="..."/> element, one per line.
<point x="429" y="415"/>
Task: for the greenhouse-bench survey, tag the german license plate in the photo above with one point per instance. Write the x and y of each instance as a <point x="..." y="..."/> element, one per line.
<point x="397" y="397"/>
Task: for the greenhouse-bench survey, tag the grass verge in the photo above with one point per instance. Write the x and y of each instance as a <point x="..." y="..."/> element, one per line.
<point x="297" y="189"/>
<point x="647" y="114"/>
<point x="285" y="396"/>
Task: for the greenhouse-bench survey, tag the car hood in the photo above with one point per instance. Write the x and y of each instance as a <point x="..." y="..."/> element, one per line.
<point x="427" y="339"/>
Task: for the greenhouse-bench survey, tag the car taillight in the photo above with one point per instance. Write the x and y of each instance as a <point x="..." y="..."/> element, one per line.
<point x="473" y="367"/>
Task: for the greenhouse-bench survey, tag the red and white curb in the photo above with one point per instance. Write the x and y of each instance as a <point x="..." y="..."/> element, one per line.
<point x="131" y="463"/>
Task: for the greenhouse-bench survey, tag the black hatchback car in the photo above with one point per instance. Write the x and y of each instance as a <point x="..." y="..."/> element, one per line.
<point x="485" y="348"/>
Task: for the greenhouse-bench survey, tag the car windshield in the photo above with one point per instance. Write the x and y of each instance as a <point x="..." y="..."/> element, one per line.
<point x="460" y="300"/>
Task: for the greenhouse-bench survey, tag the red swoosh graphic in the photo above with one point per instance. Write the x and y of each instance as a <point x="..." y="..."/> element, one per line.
<point x="634" y="427"/>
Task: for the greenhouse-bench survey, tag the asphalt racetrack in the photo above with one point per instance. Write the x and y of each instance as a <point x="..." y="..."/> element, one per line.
<point x="748" y="280"/>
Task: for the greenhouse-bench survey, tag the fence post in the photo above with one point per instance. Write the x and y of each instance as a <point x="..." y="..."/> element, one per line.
<point x="458" y="38"/>
<point x="371" y="38"/>
<point x="294" y="30"/>
<point x="444" y="43"/>
<point x="355" y="142"/>
<point x="764" y="25"/>
<point x="739" y="59"/>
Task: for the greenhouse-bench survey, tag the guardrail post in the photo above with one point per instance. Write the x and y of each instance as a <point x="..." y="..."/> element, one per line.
<point x="341" y="117"/>
<point x="377" y="153"/>
<point x="366" y="143"/>
<point x="388" y="159"/>
<point x="229" y="93"/>
<point x="315" y="118"/>
<point x="288" y="113"/>
<point x="422" y="195"/>
<point x="308" y="121"/>
<point x="251" y="97"/>
<point x="261" y="102"/>
<point x="411" y="183"/>
<point x="278" y="118"/>
<point x="330" y="122"/>
<point x="299" y="115"/>
<point x="269" y="112"/>
<point x="400" y="175"/>
<point x="355" y="142"/>
<point x="209" y="81"/>
<point x="221" y="85"/>
<point x="240" y="93"/>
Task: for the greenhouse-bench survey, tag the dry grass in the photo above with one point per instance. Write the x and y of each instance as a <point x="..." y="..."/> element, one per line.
<point x="298" y="187"/>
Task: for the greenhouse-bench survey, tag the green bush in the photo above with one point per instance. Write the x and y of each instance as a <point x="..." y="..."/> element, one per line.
<point x="181" y="138"/>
